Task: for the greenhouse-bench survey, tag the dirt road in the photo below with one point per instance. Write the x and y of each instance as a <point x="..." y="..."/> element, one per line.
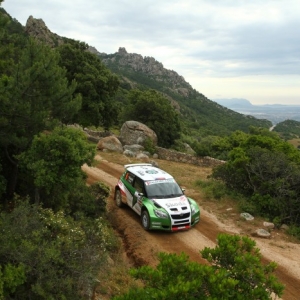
<point x="142" y="246"/>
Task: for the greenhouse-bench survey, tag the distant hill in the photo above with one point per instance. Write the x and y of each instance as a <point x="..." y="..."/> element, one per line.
<point x="274" y="112"/>
<point x="199" y="115"/>
<point x="288" y="129"/>
<point x="234" y="102"/>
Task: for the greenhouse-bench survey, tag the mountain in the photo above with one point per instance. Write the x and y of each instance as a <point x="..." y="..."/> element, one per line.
<point x="199" y="115"/>
<point x="274" y="112"/>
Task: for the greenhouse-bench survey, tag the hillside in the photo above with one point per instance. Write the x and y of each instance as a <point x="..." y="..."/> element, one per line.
<point x="288" y="129"/>
<point x="199" y="114"/>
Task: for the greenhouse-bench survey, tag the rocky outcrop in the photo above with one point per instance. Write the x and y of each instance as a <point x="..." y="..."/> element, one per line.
<point x="133" y="132"/>
<point x="38" y="29"/>
<point x="151" y="68"/>
<point x="110" y="143"/>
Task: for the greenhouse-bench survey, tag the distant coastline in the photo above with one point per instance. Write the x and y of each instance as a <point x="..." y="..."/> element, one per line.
<point x="275" y="113"/>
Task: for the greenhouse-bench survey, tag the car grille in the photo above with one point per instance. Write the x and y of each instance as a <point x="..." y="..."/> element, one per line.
<point x="181" y="216"/>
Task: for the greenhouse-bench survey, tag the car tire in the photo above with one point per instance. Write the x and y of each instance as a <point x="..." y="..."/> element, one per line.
<point x="118" y="198"/>
<point x="145" y="218"/>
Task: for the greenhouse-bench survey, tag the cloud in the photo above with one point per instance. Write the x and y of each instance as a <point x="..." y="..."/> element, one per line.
<point x="199" y="39"/>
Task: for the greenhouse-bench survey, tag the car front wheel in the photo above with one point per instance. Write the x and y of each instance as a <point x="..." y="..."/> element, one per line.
<point x="145" y="220"/>
<point x="118" y="198"/>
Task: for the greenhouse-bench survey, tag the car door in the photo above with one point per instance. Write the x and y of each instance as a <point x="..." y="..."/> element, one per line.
<point x="139" y="189"/>
<point x="129" y="189"/>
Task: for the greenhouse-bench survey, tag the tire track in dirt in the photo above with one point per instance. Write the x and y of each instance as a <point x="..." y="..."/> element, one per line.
<point x="143" y="246"/>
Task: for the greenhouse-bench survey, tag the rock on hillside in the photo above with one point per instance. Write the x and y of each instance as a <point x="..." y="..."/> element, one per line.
<point x="150" y="67"/>
<point x="133" y="132"/>
<point x="38" y="29"/>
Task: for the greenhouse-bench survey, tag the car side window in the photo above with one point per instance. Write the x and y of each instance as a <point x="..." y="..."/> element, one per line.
<point x="139" y="185"/>
<point x="129" y="177"/>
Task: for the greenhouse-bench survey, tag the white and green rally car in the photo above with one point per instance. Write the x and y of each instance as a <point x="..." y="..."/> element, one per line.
<point x="155" y="195"/>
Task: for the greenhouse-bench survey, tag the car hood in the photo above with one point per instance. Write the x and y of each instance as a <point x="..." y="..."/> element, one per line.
<point x="177" y="204"/>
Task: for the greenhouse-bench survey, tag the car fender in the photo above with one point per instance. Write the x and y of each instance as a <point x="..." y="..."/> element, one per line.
<point x="146" y="205"/>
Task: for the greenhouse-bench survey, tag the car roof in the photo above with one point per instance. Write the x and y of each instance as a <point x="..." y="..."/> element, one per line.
<point x="147" y="172"/>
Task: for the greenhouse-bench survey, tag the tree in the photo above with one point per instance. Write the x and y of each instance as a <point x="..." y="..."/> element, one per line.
<point x="35" y="95"/>
<point x="55" y="159"/>
<point x="154" y="110"/>
<point x="236" y="273"/>
<point x="264" y="168"/>
<point x="96" y="84"/>
<point x="48" y="255"/>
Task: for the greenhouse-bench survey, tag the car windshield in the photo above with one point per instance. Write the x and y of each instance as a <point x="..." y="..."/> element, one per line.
<point x="166" y="188"/>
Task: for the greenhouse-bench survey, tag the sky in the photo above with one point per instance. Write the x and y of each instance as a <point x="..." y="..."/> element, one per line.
<point x="246" y="49"/>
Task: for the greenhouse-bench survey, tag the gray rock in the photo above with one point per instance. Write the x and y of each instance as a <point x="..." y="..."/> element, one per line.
<point x="129" y="153"/>
<point x="154" y="163"/>
<point x="134" y="148"/>
<point x="142" y="156"/>
<point x="247" y="216"/>
<point x="110" y="143"/>
<point x="262" y="233"/>
<point x="284" y="227"/>
<point x="133" y="132"/>
<point x="269" y="225"/>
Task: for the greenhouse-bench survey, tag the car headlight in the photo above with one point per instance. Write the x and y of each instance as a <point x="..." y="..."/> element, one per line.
<point x="160" y="214"/>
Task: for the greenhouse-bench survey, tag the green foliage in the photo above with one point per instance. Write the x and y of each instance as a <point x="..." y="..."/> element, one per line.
<point x="242" y="262"/>
<point x="149" y="146"/>
<point x="266" y="169"/>
<point x="96" y="84"/>
<point x="88" y="201"/>
<point x="150" y="107"/>
<point x="294" y="231"/>
<point x="58" y="256"/>
<point x="55" y="160"/>
<point x="288" y="129"/>
<point x="2" y="182"/>
<point x="213" y="189"/>
<point x="35" y="95"/>
<point x="236" y="273"/>
<point x="11" y="277"/>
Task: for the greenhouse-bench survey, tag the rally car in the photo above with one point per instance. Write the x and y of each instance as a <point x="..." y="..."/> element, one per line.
<point x="155" y="196"/>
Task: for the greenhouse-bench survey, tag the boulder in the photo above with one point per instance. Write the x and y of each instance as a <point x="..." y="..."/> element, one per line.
<point x="142" y="156"/>
<point x="261" y="233"/>
<point x="247" y="216"/>
<point x="134" y="148"/>
<point x="133" y="132"/>
<point x="110" y="143"/>
<point x="269" y="225"/>
<point x="129" y="153"/>
<point x="188" y="149"/>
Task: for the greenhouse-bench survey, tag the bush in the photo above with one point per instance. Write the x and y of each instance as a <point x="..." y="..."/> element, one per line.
<point x="61" y="256"/>
<point x="294" y="231"/>
<point x="236" y="272"/>
<point x="213" y="189"/>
